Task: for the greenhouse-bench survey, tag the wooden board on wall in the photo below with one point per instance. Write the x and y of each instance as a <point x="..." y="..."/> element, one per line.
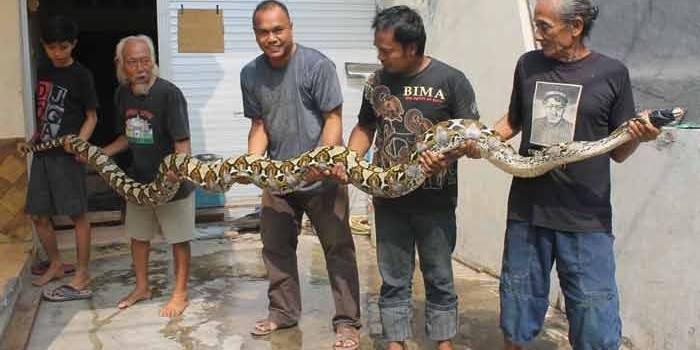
<point x="200" y="31"/>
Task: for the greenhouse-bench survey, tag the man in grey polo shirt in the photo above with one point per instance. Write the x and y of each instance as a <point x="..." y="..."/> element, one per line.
<point x="292" y="95"/>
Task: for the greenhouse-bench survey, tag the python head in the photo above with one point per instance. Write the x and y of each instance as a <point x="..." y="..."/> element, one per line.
<point x="661" y="117"/>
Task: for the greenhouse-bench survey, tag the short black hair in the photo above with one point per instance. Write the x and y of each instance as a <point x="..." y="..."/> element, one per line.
<point x="268" y="4"/>
<point x="59" y="29"/>
<point x="406" y="23"/>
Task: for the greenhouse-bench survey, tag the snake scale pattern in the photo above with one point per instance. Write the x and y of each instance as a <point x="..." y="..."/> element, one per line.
<point x="288" y="175"/>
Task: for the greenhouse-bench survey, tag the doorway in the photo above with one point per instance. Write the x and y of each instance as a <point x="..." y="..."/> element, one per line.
<point x="102" y="24"/>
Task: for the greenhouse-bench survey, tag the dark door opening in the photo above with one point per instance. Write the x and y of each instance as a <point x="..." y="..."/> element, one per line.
<point x="102" y="24"/>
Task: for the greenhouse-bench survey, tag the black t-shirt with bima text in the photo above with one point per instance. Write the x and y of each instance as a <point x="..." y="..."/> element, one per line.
<point x="152" y="124"/>
<point x="63" y="95"/>
<point x="555" y="102"/>
<point x="401" y="110"/>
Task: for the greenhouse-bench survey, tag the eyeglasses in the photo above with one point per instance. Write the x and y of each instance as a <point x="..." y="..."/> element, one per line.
<point x="547" y="28"/>
<point x="135" y="62"/>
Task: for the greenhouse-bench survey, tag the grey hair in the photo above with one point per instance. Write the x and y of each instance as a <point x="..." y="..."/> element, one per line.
<point x="586" y="9"/>
<point x="119" y="56"/>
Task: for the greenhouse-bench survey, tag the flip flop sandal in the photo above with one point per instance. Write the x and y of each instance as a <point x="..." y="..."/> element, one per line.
<point x="346" y="334"/>
<point x="66" y="293"/>
<point x="266" y="327"/>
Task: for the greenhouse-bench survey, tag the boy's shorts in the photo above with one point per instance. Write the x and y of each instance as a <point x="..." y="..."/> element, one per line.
<point x="174" y="220"/>
<point x="56" y="186"/>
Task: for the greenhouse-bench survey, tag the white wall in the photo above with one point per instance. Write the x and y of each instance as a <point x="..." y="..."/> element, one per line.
<point x="210" y="81"/>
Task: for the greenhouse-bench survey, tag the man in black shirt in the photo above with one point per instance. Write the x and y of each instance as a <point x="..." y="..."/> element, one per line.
<point x="565" y="215"/>
<point x="410" y="94"/>
<point x="152" y="123"/>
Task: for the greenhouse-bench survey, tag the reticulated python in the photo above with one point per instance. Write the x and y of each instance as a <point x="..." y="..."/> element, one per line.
<point x="288" y="175"/>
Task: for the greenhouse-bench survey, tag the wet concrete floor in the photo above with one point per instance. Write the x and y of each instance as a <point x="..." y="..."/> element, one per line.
<point x="228" y="293"/>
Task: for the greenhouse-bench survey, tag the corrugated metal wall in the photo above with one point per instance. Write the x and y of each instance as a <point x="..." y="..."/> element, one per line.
<point x="210" y="82"/>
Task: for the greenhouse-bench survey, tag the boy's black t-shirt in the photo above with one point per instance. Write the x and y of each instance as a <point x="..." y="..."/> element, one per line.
<point x="593" y="96"/>
<point x="402" y="109"/>
<point x="63" y="95"/>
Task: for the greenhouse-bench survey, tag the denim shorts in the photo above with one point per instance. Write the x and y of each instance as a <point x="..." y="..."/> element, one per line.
<point x="586" y="269"/>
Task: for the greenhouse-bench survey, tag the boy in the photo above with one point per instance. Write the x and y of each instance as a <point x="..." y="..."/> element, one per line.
<point x="66" y="104"/>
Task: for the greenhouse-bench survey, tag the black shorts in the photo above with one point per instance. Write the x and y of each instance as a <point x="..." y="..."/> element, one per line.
<point x="56" y="186"/>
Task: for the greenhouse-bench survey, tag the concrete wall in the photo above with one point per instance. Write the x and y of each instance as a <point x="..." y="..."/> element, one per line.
<point x="11" y="73"/>
<point x="484" y="39"/>
<point x="463" y="34"/>
<point x="657" y="222"/>
<point x="655" y="205"/>
<point x="15" y="228"/>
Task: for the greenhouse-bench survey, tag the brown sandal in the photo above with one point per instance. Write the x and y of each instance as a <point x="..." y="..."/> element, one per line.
<point x="263" y="328"/>
<point x="347" y="337"/>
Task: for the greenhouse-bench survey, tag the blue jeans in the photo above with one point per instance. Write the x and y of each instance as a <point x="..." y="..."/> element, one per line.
<point x="586" y="269"/>
<point x="398" y="235"/>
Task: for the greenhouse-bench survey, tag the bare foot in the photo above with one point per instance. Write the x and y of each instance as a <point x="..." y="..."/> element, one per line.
<point x="80" y="281"/>
<point x="264" y="327"/>
<point x="511" y="346"/>
<point x="394" y="345"/>
<point x="175" y="306"/>
<point x="53" y="273"/>
<point x="134" y="297"/>
<point x="444" y="345"/>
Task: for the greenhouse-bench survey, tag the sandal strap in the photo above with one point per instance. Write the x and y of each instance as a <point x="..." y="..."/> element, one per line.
<point x="346" y="333"/>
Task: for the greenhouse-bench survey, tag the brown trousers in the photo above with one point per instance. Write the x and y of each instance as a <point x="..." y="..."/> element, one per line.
<point x="280" y="226"/>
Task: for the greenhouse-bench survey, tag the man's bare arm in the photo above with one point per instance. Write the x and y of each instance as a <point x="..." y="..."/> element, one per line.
<point x="332" y="133"/>
<point x="257" y="137"/>
<point x="120" y="144"/>
<point x="361" y="139"/>
<point x="504" y="129"/>
<point x="183" y="146"/>
<point x="640" y="133"/>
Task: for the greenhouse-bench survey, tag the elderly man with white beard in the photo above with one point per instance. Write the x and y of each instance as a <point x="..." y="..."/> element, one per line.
<point x="152" y="123"/>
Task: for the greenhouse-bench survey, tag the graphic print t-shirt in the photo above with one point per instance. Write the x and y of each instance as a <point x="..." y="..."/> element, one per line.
<point x="63" y="94"/>
<point x="152" y="123"/>
<point x="402" y="109"/>
<point x="593" y="96"/>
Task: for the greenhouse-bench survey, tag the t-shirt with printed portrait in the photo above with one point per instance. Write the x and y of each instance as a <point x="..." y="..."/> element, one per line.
<point x="555" y="102"/>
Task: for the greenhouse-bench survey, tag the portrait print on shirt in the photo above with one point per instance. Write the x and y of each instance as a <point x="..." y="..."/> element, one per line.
<point x="554" y="111"/>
